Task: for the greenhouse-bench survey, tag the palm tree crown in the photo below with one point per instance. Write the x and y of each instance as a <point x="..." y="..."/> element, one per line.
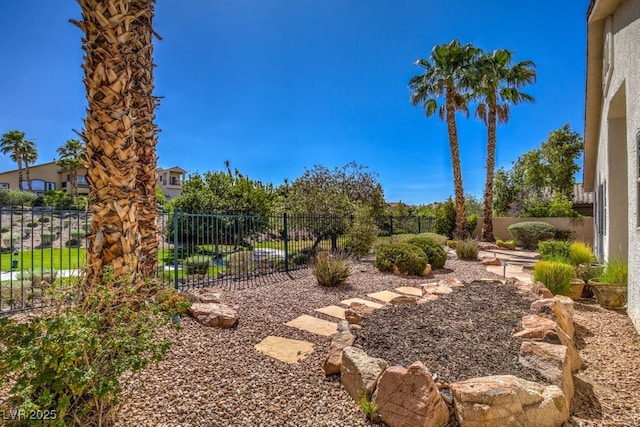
<point x="20" y="150"/>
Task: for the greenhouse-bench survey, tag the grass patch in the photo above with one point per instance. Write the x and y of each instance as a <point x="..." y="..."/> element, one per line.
<point x="46" y="259"/>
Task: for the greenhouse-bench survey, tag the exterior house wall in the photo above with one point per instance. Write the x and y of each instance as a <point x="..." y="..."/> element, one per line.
<point x="47" y="172"/>
<point x="617" y="139"/>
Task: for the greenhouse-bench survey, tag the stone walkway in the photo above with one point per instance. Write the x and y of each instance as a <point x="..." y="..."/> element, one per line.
<point x="514" y="264"/>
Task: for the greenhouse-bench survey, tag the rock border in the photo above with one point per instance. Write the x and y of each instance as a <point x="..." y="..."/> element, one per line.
<point x="407" y="397"/>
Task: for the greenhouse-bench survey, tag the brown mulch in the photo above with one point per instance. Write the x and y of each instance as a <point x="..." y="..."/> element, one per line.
<point x="462" y="335"/>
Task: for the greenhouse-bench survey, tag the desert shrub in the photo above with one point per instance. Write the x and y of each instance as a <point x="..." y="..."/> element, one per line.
<point x="362" y="233"/>
<point x="4" y="229"/>
<point x="172" y="302"/>
<point x="72" y="243"/>
<point x="554" y="249"/>
<point x="439" y="238"/>
<point x="45" y="219"/>
<point x="16" y="198"/>
<point x="401" y="238"/>
<point x="197" y="264"/>
<point x="445" y="222"/>
<point x="241" y="263"/>
<point x="31" y="224"/>
<point x="436" y="256"/>
<point x="77" y="233"/>
<point x="506" y="244"/>
<point x="401" y="257"/>
<point x="615" y="271"/>
<point x="48" y="238"/>
<point x="556" y="276"/>
<point x="69" y="362"/>
<point x="580" y="253"/>
<point x="452" y="244"/>
<point x="527" y="234"/>
<point x="55" y="229"/>
<point x="331" y="269"/>
<point x="467" y="250"/>
<point x="472" y="222"/>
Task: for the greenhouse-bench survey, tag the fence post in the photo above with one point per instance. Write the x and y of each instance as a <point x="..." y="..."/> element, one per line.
<point x="286" y="242"/>
<point x="175" y="249"/>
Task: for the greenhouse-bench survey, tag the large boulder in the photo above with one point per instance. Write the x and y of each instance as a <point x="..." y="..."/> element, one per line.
<point x="339" y="341"/>
<point x="539" y="328"/>
<point x="551" y="361"/>
<point x="211" y="314"/>
<point x="553" y="309"/>
<point x="409" y="397"/>
<point x="506" y="400"/>
<point x="359" y="372"/>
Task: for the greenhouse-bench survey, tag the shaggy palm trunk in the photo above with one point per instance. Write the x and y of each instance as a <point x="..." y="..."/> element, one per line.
<point x="111" y="152"/>
<point x="28" y="173"/>
<point x="487" y="224"/>
<point x="20" y="176"/>
<point x="144" y="104"/>
<point x="460" y="231"/>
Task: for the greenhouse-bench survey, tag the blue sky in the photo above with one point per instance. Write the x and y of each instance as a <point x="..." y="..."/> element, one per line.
<point x="275" y="86"/>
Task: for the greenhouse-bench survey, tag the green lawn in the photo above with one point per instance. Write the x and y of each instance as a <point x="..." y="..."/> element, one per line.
<point x="47" y="259"/>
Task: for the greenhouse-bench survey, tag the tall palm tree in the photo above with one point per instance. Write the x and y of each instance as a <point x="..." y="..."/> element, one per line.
<point x="29" y="157"/>
<point x="495" y="83"/>
<point x="146" y="133"/>
<point x="111" y="40"/>
<point x="15" y="144"/>
<point x="443" y="77"/>
<point x="72" y="156"/>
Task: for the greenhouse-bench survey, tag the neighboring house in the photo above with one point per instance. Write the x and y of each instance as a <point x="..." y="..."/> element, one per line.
<point x="49" y="176"/>
<point x="612" y="135"/>
<point x="582" y="200"/>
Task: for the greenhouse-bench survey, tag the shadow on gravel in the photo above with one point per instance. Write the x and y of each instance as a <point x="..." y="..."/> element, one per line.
<point x="580" y="334"/>
<point x="585" y="404"/>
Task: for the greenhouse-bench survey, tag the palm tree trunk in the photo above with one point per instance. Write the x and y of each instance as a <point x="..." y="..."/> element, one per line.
<point x="20" y="176"/>
<point x="110" y="141"/>
<point x="487" y="224"/>
<point x="460" y="231"/>
<point x="146" y="135"/>
<point x="28" y="173"/>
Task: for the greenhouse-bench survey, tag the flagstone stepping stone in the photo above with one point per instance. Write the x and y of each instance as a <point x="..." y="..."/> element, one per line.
<point x="410" y="290"/>
<point x="285" y="349"/>
<point x="385" y="296"/>
<point x="333" y="311"/>
<point x="314" y="325"/>
<point x="368" y="303"/>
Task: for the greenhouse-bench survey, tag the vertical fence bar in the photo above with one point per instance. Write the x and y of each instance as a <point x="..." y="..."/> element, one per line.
<point x="286" y="241"/>
<point x="175" y="249"/>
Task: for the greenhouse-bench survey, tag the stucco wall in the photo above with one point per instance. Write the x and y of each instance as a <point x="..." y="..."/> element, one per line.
<point x="582" y="228"/>
<point x="622" y="102"/>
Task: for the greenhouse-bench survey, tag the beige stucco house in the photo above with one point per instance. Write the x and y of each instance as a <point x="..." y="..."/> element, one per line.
<point x="49" y="176"/>
<point x="612" y="134"/>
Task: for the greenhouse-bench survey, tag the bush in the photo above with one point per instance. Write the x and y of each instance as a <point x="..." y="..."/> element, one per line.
<point x="508" y="244"/>
<point x="197" y="264"/>
<point x="4" y="229"/>
<point x="580" y="253"/>
<point x="362" y="233"/>
<point x="472" y="222"/>
<point x="31" y="224"/>
<point x="241" y="263"/>
<point x="436" y="256"/>
<point x="16" y="198"/>
<point x="401" y="257"/>
<point x="556" y="276"/>
<point x="445" y="222"/>
<point x="527" y="234"/>
<point x="48" y="238"/>
<point x="554" y="249"/>
<point x="72" y="243"/>
<point x="77" y="233"/>
<point x="68" y="362"/>
<point x="439" y="238"/>
<point x="615" y="271"/>
<point x="452" y="244"/>
<point x="331" y="269"/>
<point x="45" y="219"/>
<point x="172" y="302"/>
<point x="467" y="250"/>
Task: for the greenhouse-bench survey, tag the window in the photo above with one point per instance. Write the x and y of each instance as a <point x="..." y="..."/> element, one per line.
<point x="4" y="186"/>
<point x="37" y="185"/>
<point x="50" y="186"/>
<point x="82" y="180"/>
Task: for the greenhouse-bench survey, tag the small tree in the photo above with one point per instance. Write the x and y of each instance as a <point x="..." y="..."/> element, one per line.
<point x="72" y="154"/>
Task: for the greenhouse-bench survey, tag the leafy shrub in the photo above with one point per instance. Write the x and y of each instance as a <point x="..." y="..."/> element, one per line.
<point x="48" y="238"/>
<point x="172" y="302"/>
<point x="556" y="276"/>
<point x="467" y="250"/>
<point x="241" y="263"/>
<point x="31" y="224"/>
<point x="527" y="234"/>
<point x="472" y="222"/>
<point x="445" y="222"/>
<point x="403" y="257"/>
<point x="436" y="256"/>
<point x="362" y="233"/>
<point x="439" y="238"/>
<point x="197" y="264"/>
<point x="16" y="198"/>
<point x="77" y="233"/>
<point x="506" y="244"/>
<point x="560" y="207"/>
<point x="4" y="229"/>
<point x="72" y="243"/>
<point x="69" y="361"/>
<point x="554" y="249"/>
<point x="452" y="243"/>
<point x="55" y="229"/>
<point x="615" y="271"/>
<point x="331" y="269"/>
<point x="580" y="253"/>
<point x="45" y="219"/>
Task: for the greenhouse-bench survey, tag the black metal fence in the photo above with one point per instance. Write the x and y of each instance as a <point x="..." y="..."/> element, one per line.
<point x="44" y="246"/>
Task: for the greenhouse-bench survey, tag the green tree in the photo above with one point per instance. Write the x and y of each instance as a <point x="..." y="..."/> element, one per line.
<point x="72" y="155"/>
<point x="331" y="197"/>
<point x="559" y="153"/>
<point x="496" y="83"/>
<point x="445" y="74"/>
<point x="445" y="223"/>
<point x="16" y="145"/>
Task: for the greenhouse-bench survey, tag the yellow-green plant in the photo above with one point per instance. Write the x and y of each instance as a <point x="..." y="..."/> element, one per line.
<point x="506" y="244"/>
<point x="368" y="407"/>
<point x="467" y="250"/>
<point x="556" y="276"/>
<point x="616" y="271"/>
<point x="580" y="253"/>
<point x="331" y="269"/>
